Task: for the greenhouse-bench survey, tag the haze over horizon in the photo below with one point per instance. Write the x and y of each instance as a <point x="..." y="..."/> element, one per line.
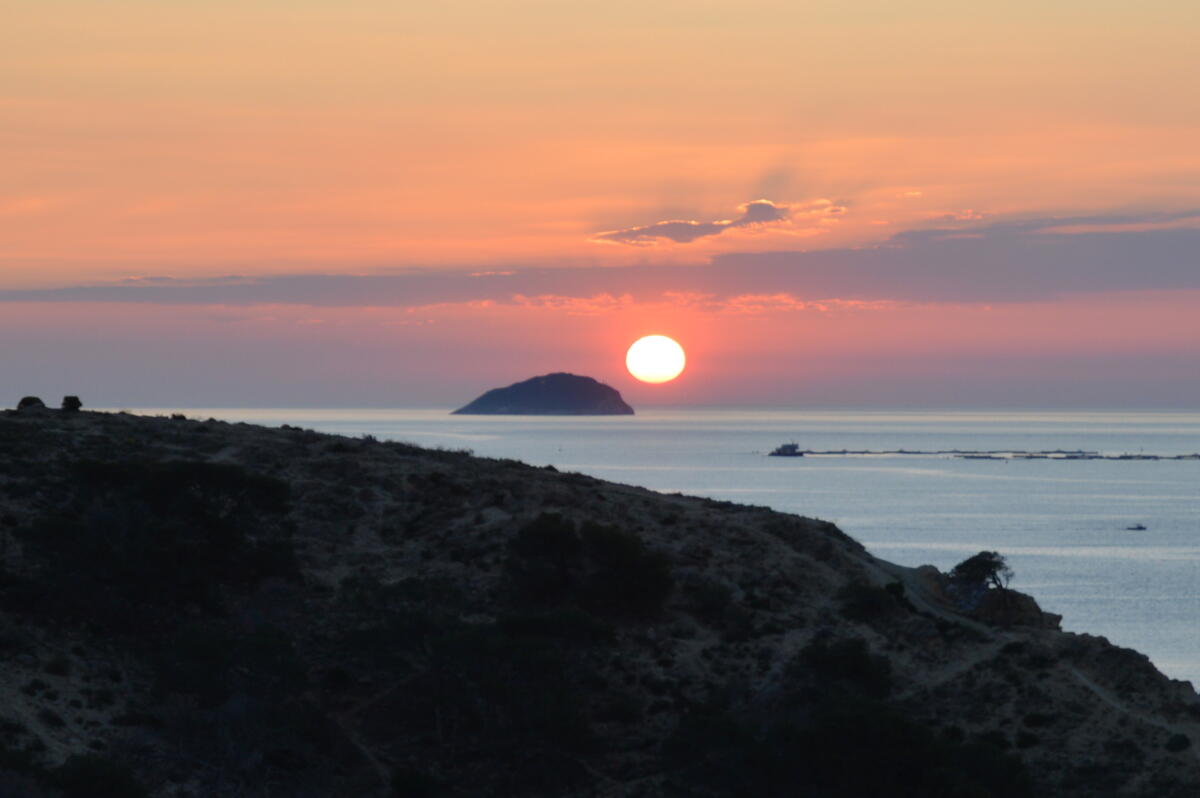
<point x="367" y="204"/>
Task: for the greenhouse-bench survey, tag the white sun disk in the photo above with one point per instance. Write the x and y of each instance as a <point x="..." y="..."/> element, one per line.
<point x="655" y="358"/>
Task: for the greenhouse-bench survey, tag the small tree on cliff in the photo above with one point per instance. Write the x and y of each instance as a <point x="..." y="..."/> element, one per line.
<point x="987" y="568"/>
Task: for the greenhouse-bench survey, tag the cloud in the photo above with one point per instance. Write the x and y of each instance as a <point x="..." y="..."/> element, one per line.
<point x="1016" y="260"/>
<point x="25" y="206"/>
<point x="142" y="279"/>
<point x="965" y="215"/>
<point x="575" y="305"/>
<point x="759" y="304"/>
<point x="754" y="213"/>
<point x="739" y="304"/>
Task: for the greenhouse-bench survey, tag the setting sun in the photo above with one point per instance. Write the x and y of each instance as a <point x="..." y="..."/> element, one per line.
<point x="655" y="358"/>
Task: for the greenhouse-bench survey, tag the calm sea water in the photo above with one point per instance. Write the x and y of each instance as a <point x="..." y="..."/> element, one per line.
<point x="1062" y="524"/>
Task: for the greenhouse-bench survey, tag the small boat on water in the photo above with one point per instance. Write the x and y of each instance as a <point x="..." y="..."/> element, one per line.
<point x="1136" y="528"/>
<point x="787" y="450"/>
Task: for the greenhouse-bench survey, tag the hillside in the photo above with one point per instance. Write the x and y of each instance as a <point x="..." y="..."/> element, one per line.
<point x="195" y="608"/>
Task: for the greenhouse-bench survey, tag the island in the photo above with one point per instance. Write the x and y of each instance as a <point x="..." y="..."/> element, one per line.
<point x="190" y="607"/>
<point x="558" y="394"/>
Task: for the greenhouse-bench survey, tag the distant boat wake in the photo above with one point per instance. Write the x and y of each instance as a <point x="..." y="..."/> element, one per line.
<point x="794" y="450"/>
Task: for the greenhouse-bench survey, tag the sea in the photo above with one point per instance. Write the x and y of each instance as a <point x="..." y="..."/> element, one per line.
<point x="1113" y="545"/>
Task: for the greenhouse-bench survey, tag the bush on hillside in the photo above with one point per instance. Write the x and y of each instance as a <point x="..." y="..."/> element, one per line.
<point x="137" y="541"/>
<point x="845" y="666"/>
<point x="603" y="569"/>
<point x="721" y="754"/>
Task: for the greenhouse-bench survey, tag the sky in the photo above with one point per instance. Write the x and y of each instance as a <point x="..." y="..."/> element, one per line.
<point x="372" y="203"/>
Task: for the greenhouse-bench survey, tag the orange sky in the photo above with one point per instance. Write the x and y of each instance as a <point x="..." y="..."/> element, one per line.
<point x="197" y="139"/>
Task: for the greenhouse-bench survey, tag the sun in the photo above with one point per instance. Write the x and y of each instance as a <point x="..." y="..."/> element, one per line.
<point x="655" y="358"/>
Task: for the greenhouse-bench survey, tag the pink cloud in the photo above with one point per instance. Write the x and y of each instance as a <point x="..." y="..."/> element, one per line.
<point x="575" y="305"/>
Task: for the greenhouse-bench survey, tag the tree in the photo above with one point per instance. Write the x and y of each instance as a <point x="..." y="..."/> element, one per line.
<point x="987" y="568"/>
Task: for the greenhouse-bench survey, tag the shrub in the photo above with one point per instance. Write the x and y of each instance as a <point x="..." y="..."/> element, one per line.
<point x="1027" y="739"/>
<point x="562" y="623"/>
<point x="1037" y="720"/>
<point x="994" y="739"/>
<point x="708" y="598"/>
<point x="545" y="558"/>
<point x="847" y="666"/>
<point x="20" y="785"/>
<point x="138" y="540"/>
<point x="51" y="718"/>
<point x="863" y="602"/>
<point x="605" y="570"/>
<point x="58" y="666"/>
<point x="413" y="782"/>
<point x="91" y="776"/>
<point x="506" y="693"/>
<point x="825" y="755"/>
<point x="627" y="578"/>
<point x="210" y="661"/>
<point x="1178" y="742"/>
<point x="987" y="568"/>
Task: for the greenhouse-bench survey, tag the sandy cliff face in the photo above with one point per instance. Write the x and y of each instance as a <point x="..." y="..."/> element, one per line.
<point x="202" y="608"/>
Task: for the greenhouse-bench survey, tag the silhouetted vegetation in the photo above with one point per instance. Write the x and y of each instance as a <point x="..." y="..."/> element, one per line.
<point x="845" y="666"/>
<point x="708" y="598"/>
<point x="851" y="749"/>
<point x="80" y="776"/>
<point x="560" y="623"/>
<point x="93" y="776"/>
<point x="863" y="602"/>
<point x="987" y="568"/>
<point x="134" y="542"/>
<point x="839" y="738"/>
<point x="515" y="693"/>
<point x="605" y="570"/>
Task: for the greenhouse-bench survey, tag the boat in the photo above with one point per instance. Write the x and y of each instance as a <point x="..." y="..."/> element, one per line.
<point x="1136" y="528"/>
<point x="787" y="450"/>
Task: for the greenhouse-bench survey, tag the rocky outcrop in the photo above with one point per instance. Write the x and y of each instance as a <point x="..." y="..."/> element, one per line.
<point x="988" y="604"/>
<point x="31" y="405"/>
<point x="1007" y="607"/>
<point x="557" y="394"/>
<point x="190" y="605"/>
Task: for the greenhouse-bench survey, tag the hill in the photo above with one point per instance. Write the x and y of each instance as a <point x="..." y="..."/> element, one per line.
<point x="558" y="394"/>
<point x="195" y="608"/>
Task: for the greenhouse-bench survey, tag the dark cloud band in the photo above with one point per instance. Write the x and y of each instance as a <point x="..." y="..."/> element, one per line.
<point x="1025" y="260"/>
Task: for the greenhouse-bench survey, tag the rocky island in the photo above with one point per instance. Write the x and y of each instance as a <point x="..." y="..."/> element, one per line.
<point x="197" y="608"/>
<point x="557" y="394"/>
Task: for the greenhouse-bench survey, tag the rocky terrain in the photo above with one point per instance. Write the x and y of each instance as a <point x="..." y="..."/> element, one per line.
<point x="557" y="394"/>
<point x="195" y="608"/>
